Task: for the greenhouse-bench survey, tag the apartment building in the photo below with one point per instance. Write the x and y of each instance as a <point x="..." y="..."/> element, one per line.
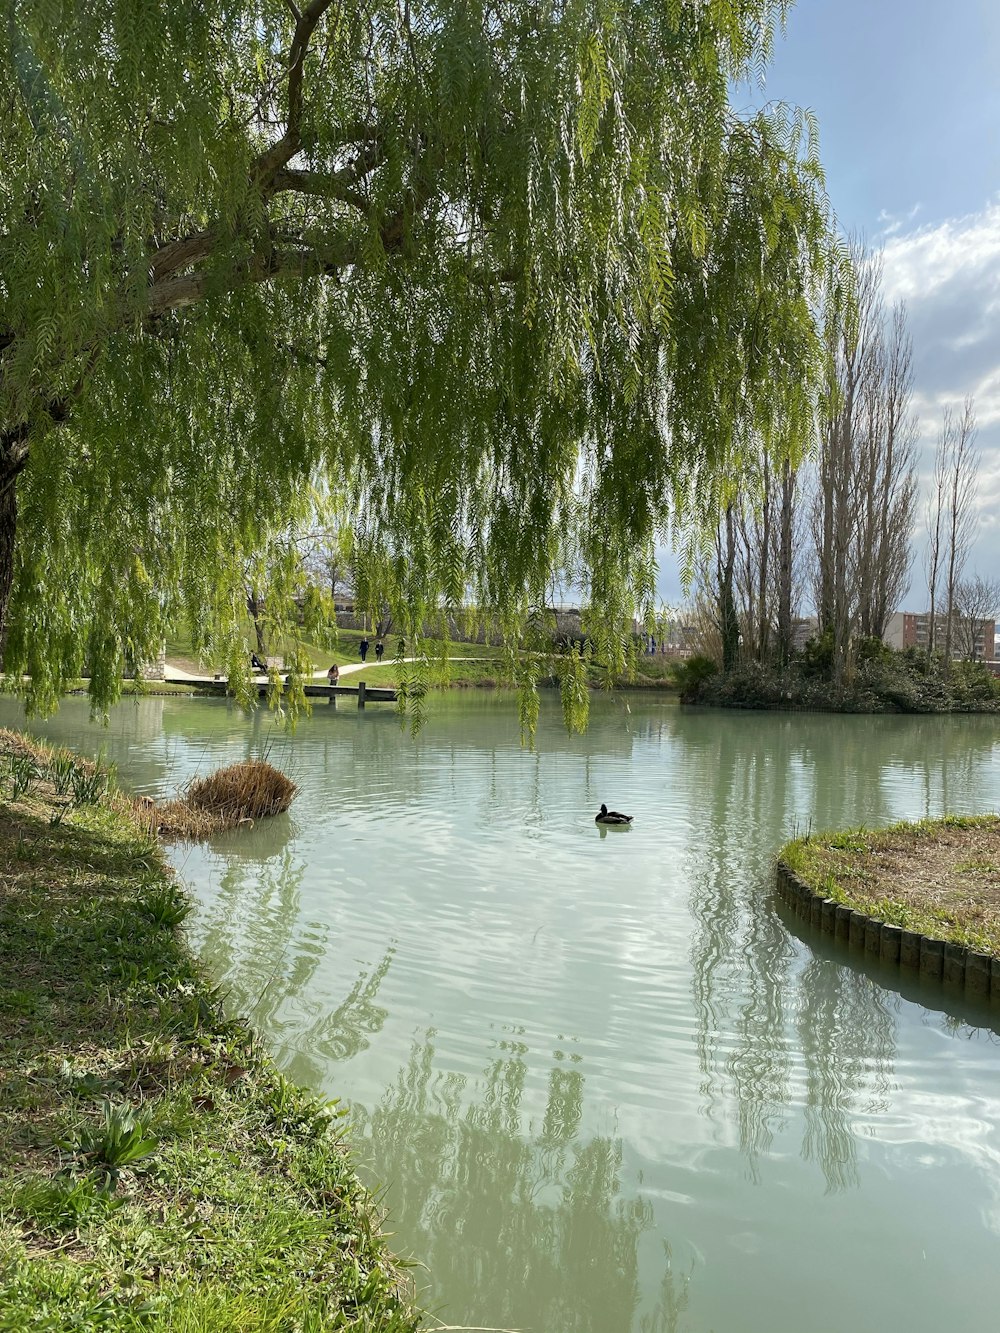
<point x="910" y="629"/>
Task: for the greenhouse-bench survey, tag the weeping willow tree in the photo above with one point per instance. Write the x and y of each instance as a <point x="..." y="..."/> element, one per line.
<point x="491" y="274"/>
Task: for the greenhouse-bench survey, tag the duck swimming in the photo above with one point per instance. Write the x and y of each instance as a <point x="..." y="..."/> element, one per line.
<point x="607" y="816"/>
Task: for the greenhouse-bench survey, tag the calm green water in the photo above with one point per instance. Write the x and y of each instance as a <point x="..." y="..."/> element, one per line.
<point x="607" y="1088"/>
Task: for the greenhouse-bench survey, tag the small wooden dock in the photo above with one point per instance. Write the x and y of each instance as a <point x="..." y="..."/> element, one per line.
<point x="365" y="694"/>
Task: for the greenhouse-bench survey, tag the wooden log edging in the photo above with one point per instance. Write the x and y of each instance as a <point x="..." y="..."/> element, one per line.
<point x="952" y="965"/>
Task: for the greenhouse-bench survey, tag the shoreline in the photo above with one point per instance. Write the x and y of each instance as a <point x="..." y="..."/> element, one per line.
<point x="196" y="690"/>
<point x="154" y="1164"/>
<point x="922" y="894"/>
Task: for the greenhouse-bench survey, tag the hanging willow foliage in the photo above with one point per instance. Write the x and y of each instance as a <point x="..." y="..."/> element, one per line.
<point x="504" y="279"/>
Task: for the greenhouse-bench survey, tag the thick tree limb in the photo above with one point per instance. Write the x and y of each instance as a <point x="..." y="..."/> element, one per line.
<point x="176" y="255"/>
<point x="318" y="183"/>
<point x="191" y="288"/>
<point x="282" y="152"/>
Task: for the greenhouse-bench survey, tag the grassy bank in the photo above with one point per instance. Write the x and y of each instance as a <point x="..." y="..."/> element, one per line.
<point x="345" y="651"/>
<point x="470" y="664"/>
<point x="155" y="1169"/>
<point x="940" y="877"/>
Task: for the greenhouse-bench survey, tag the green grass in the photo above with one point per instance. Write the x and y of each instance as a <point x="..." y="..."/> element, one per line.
<point x="651" y="672"/>
<point x="344" y="652"/>
<point x="911" y="874"/>
<point x="141" y="689"/>
<point x="156" y="1171"/>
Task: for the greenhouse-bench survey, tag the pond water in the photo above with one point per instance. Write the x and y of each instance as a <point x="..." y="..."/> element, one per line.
<point x="607" y="1087"/>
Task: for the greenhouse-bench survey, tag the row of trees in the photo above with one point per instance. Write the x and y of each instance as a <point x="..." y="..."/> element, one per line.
<point x="835" y="531"/>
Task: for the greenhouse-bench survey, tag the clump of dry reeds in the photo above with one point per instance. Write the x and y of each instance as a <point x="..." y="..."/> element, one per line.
<point x="16" y="743"/>
<point x="239" y="794"/>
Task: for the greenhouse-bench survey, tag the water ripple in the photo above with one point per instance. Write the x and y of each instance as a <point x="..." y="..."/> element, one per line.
<point x="606" y="1087"/>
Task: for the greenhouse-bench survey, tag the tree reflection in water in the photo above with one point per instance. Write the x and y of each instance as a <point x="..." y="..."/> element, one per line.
<point x="522" y="1213"/>
<point x="266" y="955"/>
<point x="822" y="1022"/>
<point x="847" y="1033"/>
<point x="522" y="1227"/>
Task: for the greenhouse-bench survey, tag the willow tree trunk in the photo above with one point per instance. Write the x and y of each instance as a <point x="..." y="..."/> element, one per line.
<point x="728" y="619"/>
<point x="8" y="534"/>
<point x="255" y="610"/>
<point x="785" y="566"/>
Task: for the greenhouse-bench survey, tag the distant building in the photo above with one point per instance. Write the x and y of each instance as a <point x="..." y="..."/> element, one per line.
<point x="681" y="639"/>
<point x="911" y="629"/>
<point x="804" y="628"/>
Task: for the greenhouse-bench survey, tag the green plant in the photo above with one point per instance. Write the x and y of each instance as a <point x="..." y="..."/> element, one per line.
<point x="166" y="905"/>
<point x="62" y="1204"/>
<point x="90" y="785"/>
<point x="24" y="772"/>
<point x="62" y="769"/>
<point x="692" y="674"/>
<point x="872" y="650"/>
<point x="18" y="1001"/>
<point x="121" y="1138"/>
<point x="817" y="655"/>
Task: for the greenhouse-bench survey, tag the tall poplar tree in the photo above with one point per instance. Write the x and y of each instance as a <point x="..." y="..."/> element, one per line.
<point x="483" y="270"/>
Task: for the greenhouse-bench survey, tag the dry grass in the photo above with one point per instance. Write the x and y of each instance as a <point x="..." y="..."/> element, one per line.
<point x="240" y="794"/>
<point x="14" y="742"/>
<point x="940" y="876"/>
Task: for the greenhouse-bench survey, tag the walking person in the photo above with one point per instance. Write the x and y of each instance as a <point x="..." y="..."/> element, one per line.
<point x="363" y="648"/>
<point x="379" y="650"/>
<point x="333" y="675"/>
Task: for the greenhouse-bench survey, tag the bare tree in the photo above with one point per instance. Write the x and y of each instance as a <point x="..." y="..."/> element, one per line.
<point x="768" y="572"/>
<point x="753" y="520"/>
<point x="785" y="575"/>
<point x="961" y="516"/>
<point x="865" y="480"/>
<point x="977" y="605"/>
<point x="887" y="477"/>
<point x="935" y="534"/>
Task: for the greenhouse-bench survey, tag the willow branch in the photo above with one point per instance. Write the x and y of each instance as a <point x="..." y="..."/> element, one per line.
<point x="318" y="183"/>
<point x="182" y="253"/>
<point x="282" y="152"/>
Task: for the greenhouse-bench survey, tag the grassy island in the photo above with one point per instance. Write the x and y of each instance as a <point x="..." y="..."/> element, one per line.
<point x="940" y="877"/>
<point x="155" y="1169"/>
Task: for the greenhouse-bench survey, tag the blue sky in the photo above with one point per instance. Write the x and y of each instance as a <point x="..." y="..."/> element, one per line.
<point x="907" y="94"/>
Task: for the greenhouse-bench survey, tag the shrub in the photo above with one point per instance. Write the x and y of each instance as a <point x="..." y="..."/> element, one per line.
<point x="817" y="655"/>
<point x="691" y="675"/>
<point x="872" y="650"/>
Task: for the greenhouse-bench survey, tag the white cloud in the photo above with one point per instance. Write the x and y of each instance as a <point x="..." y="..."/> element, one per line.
<point x="892" y="223"/>
<point x="949" y="277"/>
<point x="922" y="262"/>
